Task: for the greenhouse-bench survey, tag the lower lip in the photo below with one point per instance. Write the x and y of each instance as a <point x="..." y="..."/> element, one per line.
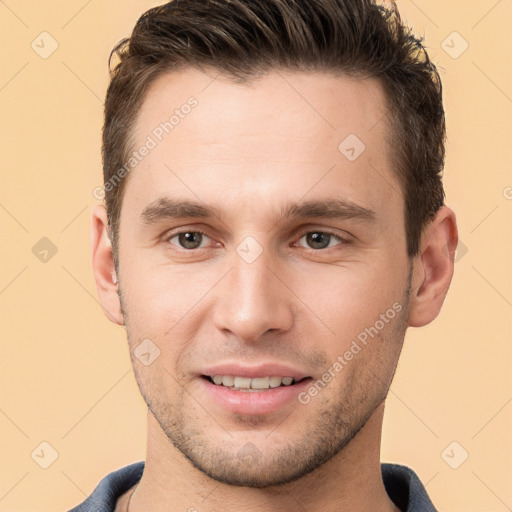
<point x="254" y="402"/>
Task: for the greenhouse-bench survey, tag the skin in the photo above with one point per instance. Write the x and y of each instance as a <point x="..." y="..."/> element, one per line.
<point x="248" y="149"/>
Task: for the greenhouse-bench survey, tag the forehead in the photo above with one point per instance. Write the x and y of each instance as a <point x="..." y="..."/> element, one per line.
<point x="331" y="104"/>
<point x="284" y="134"/>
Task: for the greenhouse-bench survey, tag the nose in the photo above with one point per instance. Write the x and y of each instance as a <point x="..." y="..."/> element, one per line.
<point x="253" y="300"/>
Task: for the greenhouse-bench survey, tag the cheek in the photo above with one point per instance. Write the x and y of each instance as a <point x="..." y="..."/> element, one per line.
<point x="348" y="298"/>
<point x="165" y="306"/>
<point x="159" y="385"/>
<point x="161" y="296"/>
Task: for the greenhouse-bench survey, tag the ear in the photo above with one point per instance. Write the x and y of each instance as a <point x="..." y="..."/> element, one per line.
<point x="433" y="268"/>
<point x="103" y="265"/>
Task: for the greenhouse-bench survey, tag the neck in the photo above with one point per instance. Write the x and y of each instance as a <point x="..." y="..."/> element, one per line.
<point x="351" y="480"/>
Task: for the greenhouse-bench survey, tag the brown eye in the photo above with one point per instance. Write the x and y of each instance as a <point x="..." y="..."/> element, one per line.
<point x="318" y="240"/>
<point x="188" y="239"/>
<point x="321" y="239"/>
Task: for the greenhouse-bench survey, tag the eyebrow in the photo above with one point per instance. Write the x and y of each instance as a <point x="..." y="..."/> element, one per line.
<point x="168" y="208"/>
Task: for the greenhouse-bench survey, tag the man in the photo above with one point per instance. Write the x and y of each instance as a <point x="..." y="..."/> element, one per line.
<point x="274" y="222"/>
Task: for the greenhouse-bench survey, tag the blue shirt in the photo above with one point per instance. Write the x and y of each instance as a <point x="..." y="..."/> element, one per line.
<point x="401" y="482"/>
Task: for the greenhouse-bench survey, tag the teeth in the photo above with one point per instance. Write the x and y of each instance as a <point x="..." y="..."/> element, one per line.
<point x="248" y="383"/>
<point x="275" y="382"/>
<point x="242" y="382"/>
<point x="226" y="380"/>
<point x="260" y="383"/>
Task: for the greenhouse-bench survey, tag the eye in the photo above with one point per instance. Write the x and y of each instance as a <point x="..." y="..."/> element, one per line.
<point x="322" y="239"/>
<point x="188" y="239"/>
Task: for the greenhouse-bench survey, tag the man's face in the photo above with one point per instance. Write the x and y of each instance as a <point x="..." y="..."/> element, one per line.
<point x="262" y="294"/>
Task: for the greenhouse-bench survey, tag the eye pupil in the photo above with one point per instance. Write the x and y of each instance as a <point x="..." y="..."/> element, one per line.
<point x="316" y="239"/>
<point x="187" y="239"/>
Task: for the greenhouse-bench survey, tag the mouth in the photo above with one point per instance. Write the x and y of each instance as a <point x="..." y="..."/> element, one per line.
<point x="260" y="389"/>
<point x="254" y="384"/>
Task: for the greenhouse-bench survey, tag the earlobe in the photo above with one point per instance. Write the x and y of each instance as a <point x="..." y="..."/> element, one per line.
<point x="433" y="268"/>
<point x="103" y="265"/>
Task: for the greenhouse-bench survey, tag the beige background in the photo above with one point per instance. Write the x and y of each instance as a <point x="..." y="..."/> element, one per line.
<point x="65" y="373"/>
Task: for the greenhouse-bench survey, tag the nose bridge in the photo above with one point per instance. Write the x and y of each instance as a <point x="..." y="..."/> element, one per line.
<point x="253" y="298"/>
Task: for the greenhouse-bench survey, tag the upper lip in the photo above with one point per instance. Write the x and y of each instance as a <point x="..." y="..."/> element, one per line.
<point x="255" y="371"/>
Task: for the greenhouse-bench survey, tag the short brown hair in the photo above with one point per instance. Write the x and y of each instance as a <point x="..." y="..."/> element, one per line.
<point x="245" y="39"/>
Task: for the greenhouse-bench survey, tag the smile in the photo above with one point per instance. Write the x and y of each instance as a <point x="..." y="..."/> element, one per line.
<point x="238" y="383"/>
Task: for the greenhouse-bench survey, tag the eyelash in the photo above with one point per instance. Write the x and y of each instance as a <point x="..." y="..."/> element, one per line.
<point x="343" y="241"/>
